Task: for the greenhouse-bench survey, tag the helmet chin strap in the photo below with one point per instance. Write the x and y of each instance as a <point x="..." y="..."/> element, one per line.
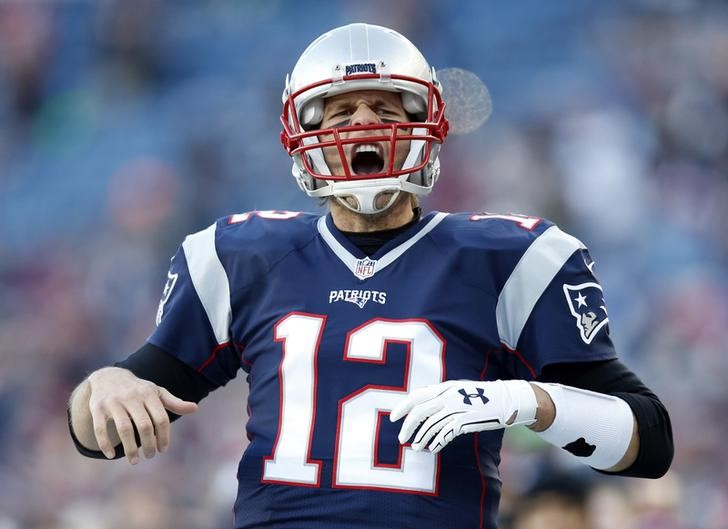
<point x="366" y="202"/>
<point x="365" y="194"/>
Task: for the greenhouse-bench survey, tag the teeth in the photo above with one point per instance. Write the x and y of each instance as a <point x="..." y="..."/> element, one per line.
<point x="368" y="147"/>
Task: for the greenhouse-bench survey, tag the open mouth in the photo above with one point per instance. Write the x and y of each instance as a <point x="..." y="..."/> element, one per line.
<point x="367" y="159"/>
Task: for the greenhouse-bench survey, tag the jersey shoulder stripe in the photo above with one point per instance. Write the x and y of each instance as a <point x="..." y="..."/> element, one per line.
<point x="209" y="280"/>
<point x="533" y="273"/>
<point x="517" y="256"/>
<point x="255" y="240"/>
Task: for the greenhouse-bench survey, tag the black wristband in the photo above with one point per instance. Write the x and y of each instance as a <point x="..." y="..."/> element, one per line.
<point x="157" y="365"/>
<point x="95" y="454"/>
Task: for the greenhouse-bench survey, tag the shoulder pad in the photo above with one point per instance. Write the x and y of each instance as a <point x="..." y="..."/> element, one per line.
<point x="490" y="231"/>
<point x="266" y="231"/>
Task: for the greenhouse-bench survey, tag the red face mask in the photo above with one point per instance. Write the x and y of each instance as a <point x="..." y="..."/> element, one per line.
<point x="298" y="141"/>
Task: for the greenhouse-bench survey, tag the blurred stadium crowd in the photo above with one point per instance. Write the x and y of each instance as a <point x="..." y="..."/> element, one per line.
<point x="126" y="125"/>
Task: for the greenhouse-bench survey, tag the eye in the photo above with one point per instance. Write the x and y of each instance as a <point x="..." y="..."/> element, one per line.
<point x="387" y="112"/>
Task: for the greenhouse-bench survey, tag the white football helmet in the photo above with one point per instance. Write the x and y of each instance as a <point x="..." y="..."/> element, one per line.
<point x="363" y="57"/>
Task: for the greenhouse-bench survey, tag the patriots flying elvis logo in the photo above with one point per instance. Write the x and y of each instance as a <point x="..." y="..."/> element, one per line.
<point x="586" y="303"/>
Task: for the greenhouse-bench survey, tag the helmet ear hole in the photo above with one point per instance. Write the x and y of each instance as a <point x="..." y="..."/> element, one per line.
<point x="312" y="113"/>
<point x="413" y="104"/>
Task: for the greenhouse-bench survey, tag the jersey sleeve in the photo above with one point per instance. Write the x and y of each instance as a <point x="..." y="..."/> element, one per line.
<point x="552" y="309"/>
<point x="194" y="314"/>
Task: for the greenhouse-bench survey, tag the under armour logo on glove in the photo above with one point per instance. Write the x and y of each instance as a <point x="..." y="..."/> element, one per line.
<point x="438" y="413"/>
<point x="467" y="396"/>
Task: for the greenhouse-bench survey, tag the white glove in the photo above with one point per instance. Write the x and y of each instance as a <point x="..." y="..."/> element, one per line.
<point x="451" y="408"/>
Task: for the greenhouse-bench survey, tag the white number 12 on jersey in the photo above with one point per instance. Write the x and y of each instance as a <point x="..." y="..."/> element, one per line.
<point x="360" y="413"/>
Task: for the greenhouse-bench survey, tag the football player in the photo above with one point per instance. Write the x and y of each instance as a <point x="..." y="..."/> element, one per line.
<point x="386" y="349"/>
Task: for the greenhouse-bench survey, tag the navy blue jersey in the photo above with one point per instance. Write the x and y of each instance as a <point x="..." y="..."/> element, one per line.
<point x="332" y="339"/>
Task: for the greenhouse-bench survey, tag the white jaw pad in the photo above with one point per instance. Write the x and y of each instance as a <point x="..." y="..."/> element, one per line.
<point x="366" y="203"/>
<point x="594" y="427"/>
<point x="366" y="192"/>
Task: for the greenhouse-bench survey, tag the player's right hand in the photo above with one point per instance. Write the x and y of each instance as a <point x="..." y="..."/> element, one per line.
<point x="119" y="401"/>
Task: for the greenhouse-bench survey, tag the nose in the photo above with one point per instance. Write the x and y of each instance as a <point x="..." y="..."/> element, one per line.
<point x="364" y="115"/>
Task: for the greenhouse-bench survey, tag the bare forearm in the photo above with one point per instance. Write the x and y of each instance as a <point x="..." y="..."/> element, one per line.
<point x="545" y="410"/>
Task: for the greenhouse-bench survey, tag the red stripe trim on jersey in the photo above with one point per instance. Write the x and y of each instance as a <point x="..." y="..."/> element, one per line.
<point x="212" y="356"/>
<point x="518" y="355"/>
<point x="482" y="480"/>
<point x="241" y="347"/>
<point x="241" y="352"/>
<point x="486" y="363"/>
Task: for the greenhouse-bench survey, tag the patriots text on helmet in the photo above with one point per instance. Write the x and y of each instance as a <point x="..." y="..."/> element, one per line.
<point x="367" y="67"/>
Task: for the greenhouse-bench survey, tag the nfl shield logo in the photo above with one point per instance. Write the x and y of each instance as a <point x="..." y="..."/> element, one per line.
<point x="364" y="268"/>
<point x="588" y="308"/>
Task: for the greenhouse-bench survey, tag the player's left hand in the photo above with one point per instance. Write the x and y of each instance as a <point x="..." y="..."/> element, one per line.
<point x="441" y="412"/>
